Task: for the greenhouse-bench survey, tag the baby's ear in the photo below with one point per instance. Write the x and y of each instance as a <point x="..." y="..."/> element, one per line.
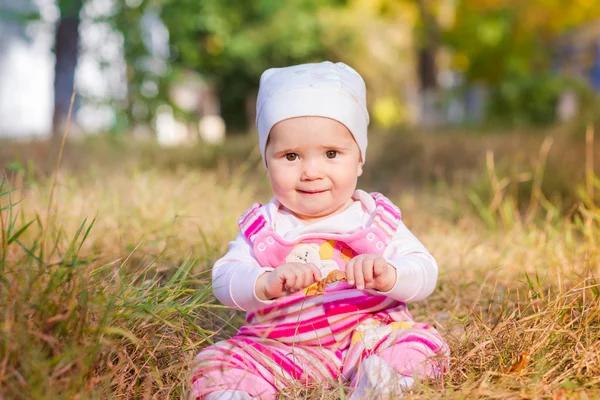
<point x="359" y="168"/>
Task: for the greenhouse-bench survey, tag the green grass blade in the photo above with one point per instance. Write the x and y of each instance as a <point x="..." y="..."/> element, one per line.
<point x="17" y="234"/>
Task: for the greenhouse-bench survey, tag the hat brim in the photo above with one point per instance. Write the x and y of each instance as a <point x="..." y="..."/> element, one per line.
<point x="314" y="103"/>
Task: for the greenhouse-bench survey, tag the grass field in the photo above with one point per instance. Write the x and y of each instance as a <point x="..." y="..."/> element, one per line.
<point x="104" y="262"/>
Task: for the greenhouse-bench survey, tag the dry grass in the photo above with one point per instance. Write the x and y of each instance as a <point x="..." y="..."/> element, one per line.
<point x="113" y="300"/>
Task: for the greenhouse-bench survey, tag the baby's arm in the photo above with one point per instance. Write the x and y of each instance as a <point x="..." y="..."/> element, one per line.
<point x="234" y="277"/>
<point x="416" y="269"/>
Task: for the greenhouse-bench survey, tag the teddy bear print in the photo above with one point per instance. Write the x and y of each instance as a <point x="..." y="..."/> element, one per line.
<point x="309" y="253"/>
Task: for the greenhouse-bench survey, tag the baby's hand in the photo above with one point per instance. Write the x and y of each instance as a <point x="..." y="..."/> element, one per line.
<point x="370" y="271"/>
<point x="286" y="279"/>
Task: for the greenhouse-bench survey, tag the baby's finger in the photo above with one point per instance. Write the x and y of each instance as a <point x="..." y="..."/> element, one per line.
<point x="315" y="272"/>
<point x="304" y="278"/>
<point x="307" y="278"/>
<point x="367" y="270"/>
<point x="379" y="267"/>
<point x="358" y="273"/>
<point x="350" y="271"/>
<point x="290" y="281"/>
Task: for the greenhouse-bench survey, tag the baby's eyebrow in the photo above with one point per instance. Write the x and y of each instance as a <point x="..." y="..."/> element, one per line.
<point x="335" y="146"/>
<point x="285" y="150"/>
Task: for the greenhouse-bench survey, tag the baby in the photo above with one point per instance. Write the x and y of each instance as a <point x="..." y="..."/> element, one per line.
<point x="312" y="123"/>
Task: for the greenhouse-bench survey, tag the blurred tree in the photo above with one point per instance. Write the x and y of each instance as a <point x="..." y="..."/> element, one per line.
<point x="508" y="46"/>
<point x="148" y="74"/>
<point x="492" y="38"/>
<point x="232" y="42"/>
<point x="66" y="47"/>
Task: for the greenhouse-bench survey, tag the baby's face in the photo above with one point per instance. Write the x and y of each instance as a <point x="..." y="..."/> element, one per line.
<point x="313" y="165"/>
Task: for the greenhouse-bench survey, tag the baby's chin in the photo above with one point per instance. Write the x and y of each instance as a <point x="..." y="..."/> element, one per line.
<point x="314" y="214"/>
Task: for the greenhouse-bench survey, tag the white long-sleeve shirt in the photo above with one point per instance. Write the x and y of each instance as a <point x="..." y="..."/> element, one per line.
<point x="235" y="274"/>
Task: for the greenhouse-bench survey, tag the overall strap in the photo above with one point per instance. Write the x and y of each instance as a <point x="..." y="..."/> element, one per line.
<point x="252" y="222"/>
<point x="270" y="250"/>
<point x="375" y="238"/>
<point x="387" y="214"/>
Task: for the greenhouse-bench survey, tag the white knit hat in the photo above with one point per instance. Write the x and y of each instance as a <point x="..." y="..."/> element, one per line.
<point x="324" y="89"/>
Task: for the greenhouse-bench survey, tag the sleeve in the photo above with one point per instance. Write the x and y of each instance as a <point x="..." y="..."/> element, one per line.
<point x="416" y="269"/>
<point x="234" y="277"/>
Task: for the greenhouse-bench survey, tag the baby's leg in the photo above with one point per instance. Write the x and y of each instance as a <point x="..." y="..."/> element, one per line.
<point x="231" y="384"/>
<point x="259" y="367"/>
<point x="385" y="359"/>
<point x="377" y="379"/>
<point x="415" y="352"/>
<point x="228" y="395"/>
<point x="228" y="367"/>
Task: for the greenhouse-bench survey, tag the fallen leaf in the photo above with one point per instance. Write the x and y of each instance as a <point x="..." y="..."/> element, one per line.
<point x="519" y="365"/>
<point x="560" y="394"/>
<point x="318" y="288"/>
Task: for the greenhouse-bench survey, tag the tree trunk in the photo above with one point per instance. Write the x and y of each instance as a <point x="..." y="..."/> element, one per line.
<point x="428" y="48"/>
<point x="427" y="69"/>
<point x="67" y="51"/>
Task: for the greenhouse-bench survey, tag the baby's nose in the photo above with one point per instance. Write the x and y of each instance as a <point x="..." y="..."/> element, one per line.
<point x="312" y="169"/>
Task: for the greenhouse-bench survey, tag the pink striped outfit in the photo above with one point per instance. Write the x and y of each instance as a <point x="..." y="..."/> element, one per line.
<point x="308" y="338"/>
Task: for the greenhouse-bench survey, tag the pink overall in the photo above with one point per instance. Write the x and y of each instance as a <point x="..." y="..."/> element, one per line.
<point x="311" y="339"/>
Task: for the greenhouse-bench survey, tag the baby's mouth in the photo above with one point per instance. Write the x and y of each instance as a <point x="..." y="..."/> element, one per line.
<point x="312" y="191"/>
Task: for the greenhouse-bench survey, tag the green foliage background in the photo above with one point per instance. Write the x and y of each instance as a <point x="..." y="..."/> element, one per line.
<point x="505" y="45"/>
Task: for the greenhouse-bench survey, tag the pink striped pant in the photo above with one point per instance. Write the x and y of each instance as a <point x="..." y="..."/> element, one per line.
<point x="262" y="366"/>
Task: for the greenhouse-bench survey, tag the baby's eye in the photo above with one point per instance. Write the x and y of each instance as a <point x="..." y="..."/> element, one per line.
<point x="291" y="156"/>
<point x="331" y="153"/>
